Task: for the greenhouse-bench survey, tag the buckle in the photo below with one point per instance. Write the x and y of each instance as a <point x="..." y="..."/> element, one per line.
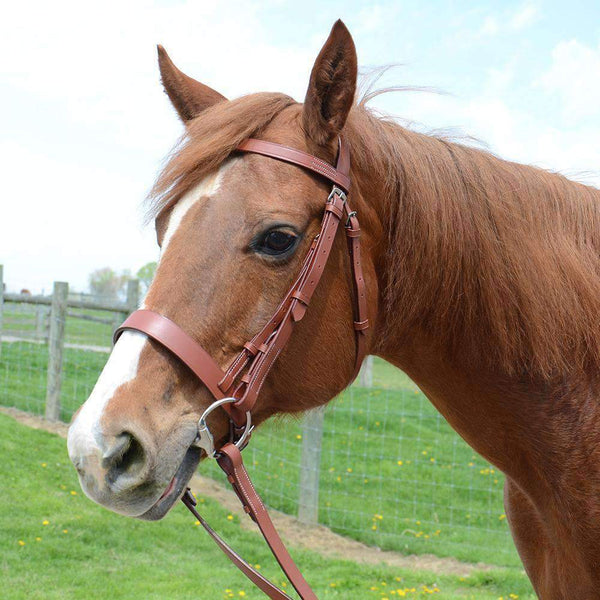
<point x="336" y="191"/>
<point x="205" y="439"/>
<point x="350" y="215"/>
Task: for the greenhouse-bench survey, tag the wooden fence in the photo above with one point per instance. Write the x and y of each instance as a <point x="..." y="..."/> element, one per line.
<point x="54" y="310"/>
<point x="51" y="315"/>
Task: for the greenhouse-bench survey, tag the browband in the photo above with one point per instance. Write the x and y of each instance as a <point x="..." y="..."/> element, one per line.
<point x="338" y="175"/>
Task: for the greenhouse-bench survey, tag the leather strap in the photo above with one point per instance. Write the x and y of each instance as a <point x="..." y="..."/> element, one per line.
<point x="361" y="321"/>
<point x="172" y="337"/>
<point x="250" y="572"/>
<point x="339" y="176"/>
<point x="230" y="461"/>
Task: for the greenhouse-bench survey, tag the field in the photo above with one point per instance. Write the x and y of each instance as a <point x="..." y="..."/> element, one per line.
<point x="57" y="544"/>
<point x="393" y="474"/>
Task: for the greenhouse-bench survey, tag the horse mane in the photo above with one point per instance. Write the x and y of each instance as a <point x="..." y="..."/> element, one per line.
<point x="495" y="261"/>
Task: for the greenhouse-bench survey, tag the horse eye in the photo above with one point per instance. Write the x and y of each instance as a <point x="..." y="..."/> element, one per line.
<point x="276" y="242"/>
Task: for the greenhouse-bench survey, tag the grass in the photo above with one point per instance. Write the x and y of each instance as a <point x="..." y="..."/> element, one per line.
<point x="21" y="320"/>
<point x="393" y="473"/>
<point x="58" y="544"/>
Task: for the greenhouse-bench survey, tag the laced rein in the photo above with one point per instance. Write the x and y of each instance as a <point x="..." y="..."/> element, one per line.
<point x="237" y="388"/>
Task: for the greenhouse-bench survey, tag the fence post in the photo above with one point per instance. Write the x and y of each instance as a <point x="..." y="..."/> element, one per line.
<point x="58" y="317"/>
<point x="1" y="303"/>
<point x="133" y="295"/>
<point x="365" y="377"/>
<point x="310" y="466"/>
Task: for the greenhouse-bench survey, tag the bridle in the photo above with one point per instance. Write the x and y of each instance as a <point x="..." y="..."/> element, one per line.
<point x="236" y="389"/>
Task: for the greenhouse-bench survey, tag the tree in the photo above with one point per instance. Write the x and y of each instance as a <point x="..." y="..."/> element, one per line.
<point x="106" y="282"/>
<point x="146" y="274"/>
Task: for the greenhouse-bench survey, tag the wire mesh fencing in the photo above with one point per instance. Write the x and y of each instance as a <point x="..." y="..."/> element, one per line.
<point x="378" y="464"/>
<point x="54" y="356"/>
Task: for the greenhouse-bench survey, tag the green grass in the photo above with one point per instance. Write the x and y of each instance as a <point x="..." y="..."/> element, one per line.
<point x="86" y="552"/>
<point x="19" y="320"/>
<point x="23" y="368"/>
<point x="393" y="473"/>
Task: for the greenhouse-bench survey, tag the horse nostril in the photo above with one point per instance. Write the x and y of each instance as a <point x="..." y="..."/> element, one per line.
<point x="125" y="457"/>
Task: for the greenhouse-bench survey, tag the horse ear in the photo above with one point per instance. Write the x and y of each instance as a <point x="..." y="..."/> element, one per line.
<point x="331" y="88"/>
<point x="188" y="96"/>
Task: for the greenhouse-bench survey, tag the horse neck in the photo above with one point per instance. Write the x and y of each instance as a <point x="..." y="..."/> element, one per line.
<point x="443" y="350"/>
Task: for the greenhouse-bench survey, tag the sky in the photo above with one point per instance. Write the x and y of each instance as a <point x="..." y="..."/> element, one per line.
<point x="85" y="125"/>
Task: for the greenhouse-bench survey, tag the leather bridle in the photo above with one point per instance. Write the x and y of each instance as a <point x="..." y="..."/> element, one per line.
<point x="236" y="389"/>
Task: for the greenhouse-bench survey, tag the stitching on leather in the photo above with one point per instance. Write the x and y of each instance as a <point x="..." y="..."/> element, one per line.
<point x="248" y="498"/>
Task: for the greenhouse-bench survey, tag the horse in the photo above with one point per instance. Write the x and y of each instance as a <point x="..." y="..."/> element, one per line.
<point x="482" y="281"/>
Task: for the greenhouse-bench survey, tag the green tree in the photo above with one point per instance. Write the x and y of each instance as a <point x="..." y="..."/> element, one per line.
<point x="146" y="274"/>
<point x="106" y="282"/>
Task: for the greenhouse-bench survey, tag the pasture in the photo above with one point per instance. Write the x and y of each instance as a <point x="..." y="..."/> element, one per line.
<point x="393" y="475"/>
<point x="58" y="544"/>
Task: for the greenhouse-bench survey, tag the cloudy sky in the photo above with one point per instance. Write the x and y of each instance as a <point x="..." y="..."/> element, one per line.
<point x="85" y="124"/>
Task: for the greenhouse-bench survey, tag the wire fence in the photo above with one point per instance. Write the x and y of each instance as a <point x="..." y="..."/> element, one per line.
<point x="378" y="464"/>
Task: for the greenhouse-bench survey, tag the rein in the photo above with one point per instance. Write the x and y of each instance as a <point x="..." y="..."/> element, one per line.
<point x="236" y="389"/>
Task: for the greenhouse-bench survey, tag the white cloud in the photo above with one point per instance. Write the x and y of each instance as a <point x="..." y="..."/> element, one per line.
<point x="490" y="26"/>
<point x="574" y="78"/>
<point x="508" y="21"/>
<point x="61" y="220"/>
<point x="525" y="16"/>
<point x="517" y="133"/>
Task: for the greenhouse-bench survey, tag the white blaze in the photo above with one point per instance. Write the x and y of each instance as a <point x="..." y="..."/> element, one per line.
<point x="85" y="435"/>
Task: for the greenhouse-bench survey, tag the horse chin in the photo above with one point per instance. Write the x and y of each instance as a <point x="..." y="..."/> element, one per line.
<point x="176" y="487"/>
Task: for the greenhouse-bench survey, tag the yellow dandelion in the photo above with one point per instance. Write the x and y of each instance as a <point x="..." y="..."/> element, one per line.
<point x="38" y="539"/>
<point x="400" y="463"/>
<point x="230" y="517"/>
<point x="197" y="523"/>
<point x="44" y="465"/>
<point x="298" y="437"/>
<point x="65" y="531"/>
<point x="21" y="543"/>
<point x="73" y="493"/>
<point x="45" y="522"/>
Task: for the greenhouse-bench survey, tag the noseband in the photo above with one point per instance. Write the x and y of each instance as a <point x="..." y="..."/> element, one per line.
<point x="236" y="389"/>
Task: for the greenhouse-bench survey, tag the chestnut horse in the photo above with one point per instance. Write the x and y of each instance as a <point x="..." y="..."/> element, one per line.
<point x="483" y="281"/>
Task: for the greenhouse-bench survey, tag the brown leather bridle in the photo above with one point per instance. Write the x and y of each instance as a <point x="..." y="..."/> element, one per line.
<point x="236" y="389"/>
